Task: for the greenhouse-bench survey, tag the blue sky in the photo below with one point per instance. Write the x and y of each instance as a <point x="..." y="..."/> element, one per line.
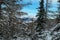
<point x="31" y="9"/>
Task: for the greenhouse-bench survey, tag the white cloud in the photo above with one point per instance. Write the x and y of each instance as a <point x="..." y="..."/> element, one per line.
<point x="54" y="1"/>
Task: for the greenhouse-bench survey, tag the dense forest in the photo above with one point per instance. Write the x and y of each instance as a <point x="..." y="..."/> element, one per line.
<point x="45" y="25"/>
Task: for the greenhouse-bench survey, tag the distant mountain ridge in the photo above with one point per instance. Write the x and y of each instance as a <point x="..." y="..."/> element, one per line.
<point x="28" y="19"/>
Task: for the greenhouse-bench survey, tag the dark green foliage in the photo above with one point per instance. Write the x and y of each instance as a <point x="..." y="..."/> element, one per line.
<point x="41" y="16"/>
<point x="58" y="16"/>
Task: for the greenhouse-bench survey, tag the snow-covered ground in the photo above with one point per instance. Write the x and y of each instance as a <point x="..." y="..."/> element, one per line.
<point x="51" y="34"/>
<point x="47" y="34"/>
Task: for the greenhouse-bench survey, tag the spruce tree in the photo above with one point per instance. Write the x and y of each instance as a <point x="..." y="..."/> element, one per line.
<point x="58" y="16"/>
<point x="8" y="19"/>
<point x="41" y="17"/>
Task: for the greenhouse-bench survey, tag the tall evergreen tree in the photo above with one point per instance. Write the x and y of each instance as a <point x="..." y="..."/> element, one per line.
<point x="8" y="17"/>
<point x="41" y="17"/>
<point x="4" y="24"/>
<point x="58" y="16"/>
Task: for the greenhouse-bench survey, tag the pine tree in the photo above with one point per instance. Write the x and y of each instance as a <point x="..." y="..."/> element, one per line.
<point x="4" y="25"/>
<point x="58" y="16"/>
<point x="41" y="17"/>
<point x="8" y="20"/>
